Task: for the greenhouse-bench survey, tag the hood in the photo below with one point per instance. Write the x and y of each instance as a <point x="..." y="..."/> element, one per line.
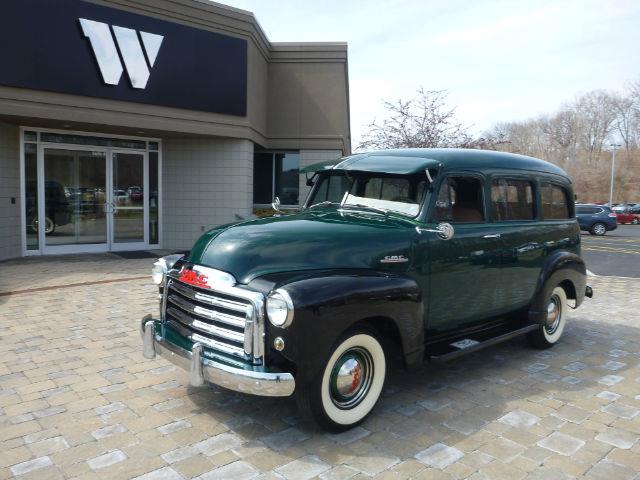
<point x="311" y="240"/>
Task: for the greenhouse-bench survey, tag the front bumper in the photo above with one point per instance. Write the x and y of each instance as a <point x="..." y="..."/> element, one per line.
<point x="201" y="370"/>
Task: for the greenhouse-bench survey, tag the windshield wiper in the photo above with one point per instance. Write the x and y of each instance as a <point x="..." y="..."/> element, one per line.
<point x="326" y="202"/>
<point x="369" y="207"/>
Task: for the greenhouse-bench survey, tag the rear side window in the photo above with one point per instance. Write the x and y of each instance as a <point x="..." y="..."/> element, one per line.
<point x="511" y="200"/>
<point x="554" y="199"/>
<point x="459" y="200"/>
<point x="588" y="210"/>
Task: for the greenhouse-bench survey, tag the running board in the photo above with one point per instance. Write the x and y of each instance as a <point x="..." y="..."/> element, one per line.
<point x="469" y="345"/>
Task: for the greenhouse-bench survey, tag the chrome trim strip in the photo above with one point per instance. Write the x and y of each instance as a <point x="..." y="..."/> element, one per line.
<point x="216" y="302"/>
<point x="205" y="312"/>
<point x="271" y="384"/>
<point x="187" y="321"/>
<point x="209" y="342"/>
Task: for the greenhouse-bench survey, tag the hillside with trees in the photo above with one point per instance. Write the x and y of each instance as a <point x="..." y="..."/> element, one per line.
<point x="578" y="137"/>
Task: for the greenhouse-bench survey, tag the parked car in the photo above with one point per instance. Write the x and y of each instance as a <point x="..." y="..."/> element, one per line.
<point x="596" y="219"/>
<point x="407" y="255"/>
<point x="58" y="211"/>
<point x="135" y="194"/>
<point x="628" y="215"/>
<point x="120" y="197"/>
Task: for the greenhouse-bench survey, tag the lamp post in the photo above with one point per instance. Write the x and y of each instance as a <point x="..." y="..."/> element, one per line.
<point x="614" y="146"/>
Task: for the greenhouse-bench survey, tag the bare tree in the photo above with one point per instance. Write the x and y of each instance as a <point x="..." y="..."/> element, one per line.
<point x="597" y="112"/>
<point x="422" y="122"/>
<point x="626" y="123"/>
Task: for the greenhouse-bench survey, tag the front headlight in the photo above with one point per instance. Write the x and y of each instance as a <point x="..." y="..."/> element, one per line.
<point x="280" y="308"/>
<point x="162" y="266"/>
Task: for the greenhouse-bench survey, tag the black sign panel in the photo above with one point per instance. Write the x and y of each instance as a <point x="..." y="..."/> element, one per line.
<point x="44" y="46"/>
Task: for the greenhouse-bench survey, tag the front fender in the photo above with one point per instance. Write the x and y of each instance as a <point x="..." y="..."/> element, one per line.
<point x="328" y="305"/>
<point x="561" y="266"/>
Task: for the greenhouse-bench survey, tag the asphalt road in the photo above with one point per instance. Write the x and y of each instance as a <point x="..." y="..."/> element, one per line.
<point x="616" y="254"/>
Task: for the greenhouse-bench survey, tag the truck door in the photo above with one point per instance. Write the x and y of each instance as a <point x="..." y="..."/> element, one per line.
<point x="464" y="271"/>
<point x="522" y="237"/>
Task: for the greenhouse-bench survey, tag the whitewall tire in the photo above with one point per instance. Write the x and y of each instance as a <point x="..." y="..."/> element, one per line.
<point x="549" y="333"/>
<point x="349" y="386"/>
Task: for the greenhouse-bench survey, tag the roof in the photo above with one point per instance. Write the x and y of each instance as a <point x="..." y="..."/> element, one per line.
<point x="414" y="160"/>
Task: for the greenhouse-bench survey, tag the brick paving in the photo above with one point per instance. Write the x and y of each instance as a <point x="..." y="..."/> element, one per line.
<point x="77" y="400"/>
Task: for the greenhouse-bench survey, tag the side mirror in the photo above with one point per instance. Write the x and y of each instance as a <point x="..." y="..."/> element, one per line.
<point x="276" y="204"/>
<point x="445" y="231"/>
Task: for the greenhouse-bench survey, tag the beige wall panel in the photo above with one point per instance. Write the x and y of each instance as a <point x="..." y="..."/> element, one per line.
<point x="206" y="182"/>
<point x="307" y="103"/>
<point x="10" y="235"/>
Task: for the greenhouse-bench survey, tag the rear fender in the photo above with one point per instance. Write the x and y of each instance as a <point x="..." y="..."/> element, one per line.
<point x="562" y="268"/>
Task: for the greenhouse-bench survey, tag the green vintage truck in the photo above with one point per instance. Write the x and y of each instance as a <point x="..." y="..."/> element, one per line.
<point x="399" y="255"/>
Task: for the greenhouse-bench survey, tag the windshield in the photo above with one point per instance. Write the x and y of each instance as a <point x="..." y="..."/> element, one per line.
<point x="396" y="193"/>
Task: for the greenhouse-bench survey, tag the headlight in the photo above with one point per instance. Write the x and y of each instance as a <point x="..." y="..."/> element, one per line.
<point x="280" y="308"/>
<point x="162" y="266"/>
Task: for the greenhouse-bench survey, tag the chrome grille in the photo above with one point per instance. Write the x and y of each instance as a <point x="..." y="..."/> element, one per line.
<point x="227" y="319"/>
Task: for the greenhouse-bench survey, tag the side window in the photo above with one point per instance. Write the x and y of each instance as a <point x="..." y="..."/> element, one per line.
<point x="554" y="201"/>
<point x="511" y="200"/>
<point x="459" y="200"/>
<point x="331" y="188"/>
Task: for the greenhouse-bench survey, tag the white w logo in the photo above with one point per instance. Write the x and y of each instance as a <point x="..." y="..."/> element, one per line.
<point x="137" y="61"/>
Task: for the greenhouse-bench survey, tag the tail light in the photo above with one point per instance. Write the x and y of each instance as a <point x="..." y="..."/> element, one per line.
<point x="612" y="215"/>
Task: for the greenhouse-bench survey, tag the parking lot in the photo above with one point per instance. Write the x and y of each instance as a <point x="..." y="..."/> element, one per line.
<point x="77" y="400"/>
<point x="615" y="254"/>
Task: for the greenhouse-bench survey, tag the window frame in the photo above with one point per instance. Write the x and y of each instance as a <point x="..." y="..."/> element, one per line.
<point x="434" y="190"/>
<point x="571" y="208"/>
<point x="537" y="207"/>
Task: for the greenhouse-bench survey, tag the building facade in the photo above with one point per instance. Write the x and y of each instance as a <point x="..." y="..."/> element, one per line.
<point x="139" y="124"/>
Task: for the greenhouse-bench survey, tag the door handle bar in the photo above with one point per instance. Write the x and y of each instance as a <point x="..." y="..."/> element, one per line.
<point x="492" y="235"/>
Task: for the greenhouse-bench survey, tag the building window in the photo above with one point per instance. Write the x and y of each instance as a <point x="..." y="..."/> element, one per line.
<point x="275" y="174"/>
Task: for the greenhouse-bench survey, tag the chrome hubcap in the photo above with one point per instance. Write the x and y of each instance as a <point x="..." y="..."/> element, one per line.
<point x="599" y="229"/>
<point x="554" y="313"/>
<point x="351" y="378"/>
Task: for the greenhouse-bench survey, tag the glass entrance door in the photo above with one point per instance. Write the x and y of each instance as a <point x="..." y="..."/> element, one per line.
<point x="128" y="200"/>
<point x="72" y="212"/>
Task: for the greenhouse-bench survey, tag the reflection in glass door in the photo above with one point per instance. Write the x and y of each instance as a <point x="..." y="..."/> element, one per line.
<point x="128" y="198"/>
<point x="74" y="197"/>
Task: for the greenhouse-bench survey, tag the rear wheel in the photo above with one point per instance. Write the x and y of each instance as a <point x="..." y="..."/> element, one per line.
<point x="349" y="386"/>
<point x="634" y="221"/>
<point x="598" y="229"/>
<point x="548" y="334"/>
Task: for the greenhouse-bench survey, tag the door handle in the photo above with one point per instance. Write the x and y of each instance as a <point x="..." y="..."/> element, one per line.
<point x="492" y="235"/>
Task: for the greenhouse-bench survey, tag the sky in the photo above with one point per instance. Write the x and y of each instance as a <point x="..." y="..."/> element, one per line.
<point x="498" y="60"/>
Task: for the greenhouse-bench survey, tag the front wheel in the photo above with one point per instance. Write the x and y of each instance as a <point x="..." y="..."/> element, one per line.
<point x="349" y="386"/>
<point x="634" y="221"/>
<point x="598" y="229"/>
<point x="548" y="334"/>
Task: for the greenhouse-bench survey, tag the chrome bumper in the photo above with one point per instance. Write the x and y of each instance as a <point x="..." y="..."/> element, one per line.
<point x="203" y="370"/>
